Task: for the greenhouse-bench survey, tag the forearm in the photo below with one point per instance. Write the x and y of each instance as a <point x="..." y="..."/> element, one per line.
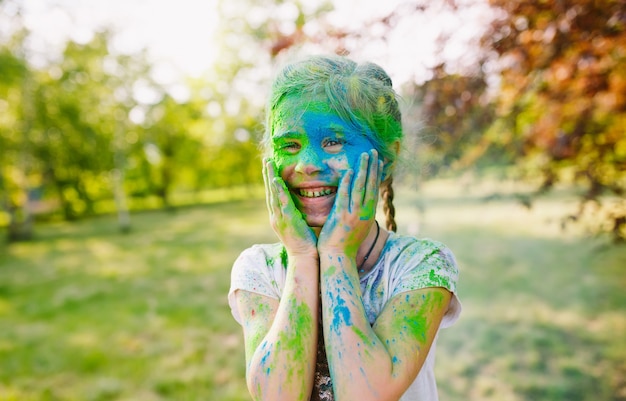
<point x="283" y="364"/>
<point x="360" y="365"/>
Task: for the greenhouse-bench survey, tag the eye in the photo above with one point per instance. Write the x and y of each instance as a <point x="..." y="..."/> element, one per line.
<point x="289" y="146"/>
<point x="333" y="144"/>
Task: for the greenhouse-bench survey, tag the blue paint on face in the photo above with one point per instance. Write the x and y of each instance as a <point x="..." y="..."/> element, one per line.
<point x="313" y="147"/>
<point x="309" y="132"/>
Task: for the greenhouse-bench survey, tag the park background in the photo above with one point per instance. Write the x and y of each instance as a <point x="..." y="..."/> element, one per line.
<point x="130" y="182"/>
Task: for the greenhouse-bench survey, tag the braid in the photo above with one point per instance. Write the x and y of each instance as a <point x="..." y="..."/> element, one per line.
<point x="388" y="208"/>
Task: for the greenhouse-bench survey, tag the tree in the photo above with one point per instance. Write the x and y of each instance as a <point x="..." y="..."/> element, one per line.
<point x="559" y="110"/>
<point x="453" y="113"/>
<point x="15" y="78"/>
<point x="78" y="114"/>
<point x="562" y="100"/>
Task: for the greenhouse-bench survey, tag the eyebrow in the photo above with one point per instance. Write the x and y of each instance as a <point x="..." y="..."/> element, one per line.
<point x="337" y="129"/>
<point x="286" y="135"/>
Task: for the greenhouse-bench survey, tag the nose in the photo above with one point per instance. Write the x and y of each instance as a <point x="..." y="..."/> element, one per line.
<point x="309" y="162"/>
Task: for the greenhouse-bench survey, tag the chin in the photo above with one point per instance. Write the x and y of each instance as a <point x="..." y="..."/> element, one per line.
<point x="315" y="213"/>
<point x="316" y="221"/>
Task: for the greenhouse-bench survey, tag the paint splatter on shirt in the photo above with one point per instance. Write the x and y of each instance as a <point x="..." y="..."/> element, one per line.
<point x="405" y="264"/>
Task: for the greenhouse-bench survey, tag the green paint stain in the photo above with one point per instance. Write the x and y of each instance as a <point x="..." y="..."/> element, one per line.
<point x="283" y="257"/>
<point x="415" y="321"/>
<point x="262" y="308"/>
<point x="360" y="334"/>
<point x="441" y="281"/>
<point x="293" y="342"/>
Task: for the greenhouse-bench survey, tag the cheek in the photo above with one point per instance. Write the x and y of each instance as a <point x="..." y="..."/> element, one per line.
<point x="340" y="162"/>
<point x="281" y="161"/>
<point x="353" y="157"/>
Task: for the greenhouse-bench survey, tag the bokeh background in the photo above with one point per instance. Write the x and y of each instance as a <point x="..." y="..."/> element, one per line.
<point x="130" y="181"/>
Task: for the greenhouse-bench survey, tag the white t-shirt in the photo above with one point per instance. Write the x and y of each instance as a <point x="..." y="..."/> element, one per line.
<point x="405" y="264"/>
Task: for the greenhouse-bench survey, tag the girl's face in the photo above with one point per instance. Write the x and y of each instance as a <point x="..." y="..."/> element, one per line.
<point x="312" y="148"/>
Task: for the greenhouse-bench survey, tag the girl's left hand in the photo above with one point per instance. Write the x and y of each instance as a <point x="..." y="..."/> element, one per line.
<point x="355" y="207"/>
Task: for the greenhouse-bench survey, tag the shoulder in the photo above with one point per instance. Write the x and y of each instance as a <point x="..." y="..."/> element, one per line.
<point x="424" y="263"/>
<point x="261" y="254"/>
<point x="420" y="263"/>
<point x="258" y="269"/>
<point x="406" y="248"/>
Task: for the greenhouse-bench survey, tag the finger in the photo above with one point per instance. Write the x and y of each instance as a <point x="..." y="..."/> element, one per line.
<point x="342" y="200"/>
<point x="274" y="191"/>
<point x="358" y="187"/>
<point x="373" y="177"/>
<point x="370" y="201"/>
<point x="281" y="193"/>
<point x="267" y="184"/>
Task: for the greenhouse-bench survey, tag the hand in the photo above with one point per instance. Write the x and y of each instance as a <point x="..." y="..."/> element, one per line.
<point x="285" y="219"/>
<point x="355" y="207"/>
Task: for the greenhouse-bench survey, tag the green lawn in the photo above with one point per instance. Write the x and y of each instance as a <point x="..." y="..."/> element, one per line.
<point x="90" y="314"/>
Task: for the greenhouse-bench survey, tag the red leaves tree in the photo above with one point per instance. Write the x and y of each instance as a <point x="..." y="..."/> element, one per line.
<point x="563" y="95"/>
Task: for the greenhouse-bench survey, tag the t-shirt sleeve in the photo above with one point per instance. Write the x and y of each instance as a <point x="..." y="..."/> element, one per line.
<point x="251" y="272"/>
<point x="430" y="264"/>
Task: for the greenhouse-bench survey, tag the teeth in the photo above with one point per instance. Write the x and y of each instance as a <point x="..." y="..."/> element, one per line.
<point x="315" y="194"/>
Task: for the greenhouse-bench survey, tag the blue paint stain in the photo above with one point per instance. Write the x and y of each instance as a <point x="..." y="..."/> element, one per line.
<point x="266" y="356"/>
<point x="341" y="314"/>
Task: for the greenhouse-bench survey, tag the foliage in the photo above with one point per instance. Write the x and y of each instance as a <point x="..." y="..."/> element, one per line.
<point x="562" y="100"/>
<point x="453" y="112"/>
<point x="92" y="125"/>
<point x="547" y="94"/>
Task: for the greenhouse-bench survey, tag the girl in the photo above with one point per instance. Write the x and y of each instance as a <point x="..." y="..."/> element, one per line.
<point x="341" y="308"/>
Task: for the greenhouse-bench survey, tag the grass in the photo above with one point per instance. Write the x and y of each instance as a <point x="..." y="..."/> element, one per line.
<point x="89" y="314"/>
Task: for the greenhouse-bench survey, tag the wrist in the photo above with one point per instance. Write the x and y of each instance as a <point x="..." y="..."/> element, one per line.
<point x="334" y="251"/>
<point x="303" y="255"/>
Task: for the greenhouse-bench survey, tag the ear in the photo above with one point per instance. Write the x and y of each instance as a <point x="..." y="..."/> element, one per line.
<point x="389" y="164"/>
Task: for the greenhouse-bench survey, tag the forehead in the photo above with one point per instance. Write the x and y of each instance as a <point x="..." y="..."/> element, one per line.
<point x="307" y="114"/>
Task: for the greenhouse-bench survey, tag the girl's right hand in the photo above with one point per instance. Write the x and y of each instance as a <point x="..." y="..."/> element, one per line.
<point x="285" y="219"/>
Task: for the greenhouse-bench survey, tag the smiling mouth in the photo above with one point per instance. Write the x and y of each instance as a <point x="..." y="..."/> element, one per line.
<point x="316" y="192"/>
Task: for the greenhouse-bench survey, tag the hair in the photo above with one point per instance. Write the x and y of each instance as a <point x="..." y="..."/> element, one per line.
<point x="360" y="93"/>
